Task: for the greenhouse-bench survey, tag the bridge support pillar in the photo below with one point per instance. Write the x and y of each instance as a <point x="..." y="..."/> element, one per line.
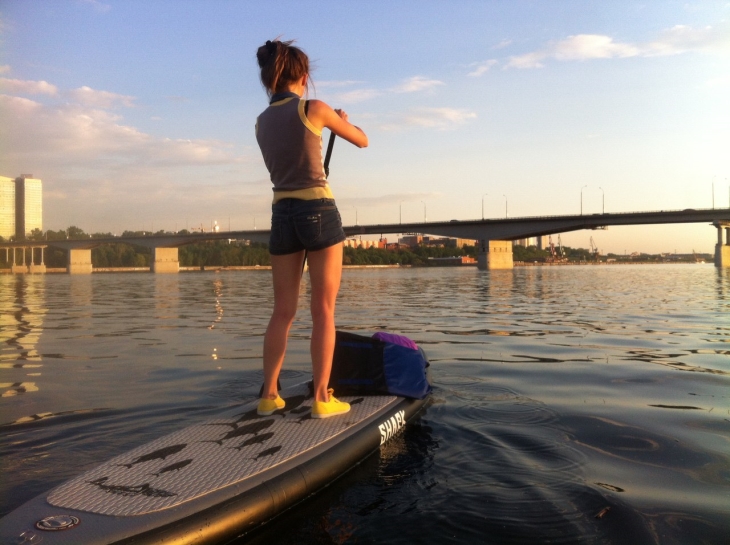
<point x="494" y="254"/>
<point x="36" y="267"/>
<point x="19" y="268"/>
<point x="165" y="260"/>
<point x="79" y="261"/>
<point x="722" y="248"/>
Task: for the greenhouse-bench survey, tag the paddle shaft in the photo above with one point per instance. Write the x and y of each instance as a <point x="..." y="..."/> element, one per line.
<point x="328" y="155"/>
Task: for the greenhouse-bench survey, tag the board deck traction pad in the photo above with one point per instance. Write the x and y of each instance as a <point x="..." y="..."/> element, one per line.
<point x="208" y="456"/>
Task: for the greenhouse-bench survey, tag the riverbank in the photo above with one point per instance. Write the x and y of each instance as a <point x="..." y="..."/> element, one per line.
<point x="213" y="268"/>
<point x="541" y="264"/>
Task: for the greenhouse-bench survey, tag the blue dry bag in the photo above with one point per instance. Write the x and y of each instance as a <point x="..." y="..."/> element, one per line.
<point x="370" y="366"/>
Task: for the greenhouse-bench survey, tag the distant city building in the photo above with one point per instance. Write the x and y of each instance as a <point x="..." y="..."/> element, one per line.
<point x="21" y="206"/>
<point x="28" y="205"/>
<point x="7" y="207"/>
<point x="448" y="242"/>
<point x="415" y="240"/>
<point x="359" y="243"/>
<point x="411" y="240"/>
<point x="539" y="242"/>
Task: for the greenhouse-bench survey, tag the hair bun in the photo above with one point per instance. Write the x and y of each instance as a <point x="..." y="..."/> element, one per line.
<point x="281" y="63"/>
<point x="267" y="52"/>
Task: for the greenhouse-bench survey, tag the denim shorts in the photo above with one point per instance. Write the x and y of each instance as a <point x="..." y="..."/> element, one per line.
<point x="298" y="225"/>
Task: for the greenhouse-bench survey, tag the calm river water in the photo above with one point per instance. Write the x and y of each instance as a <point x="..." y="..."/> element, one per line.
<point x="586" y="404"/>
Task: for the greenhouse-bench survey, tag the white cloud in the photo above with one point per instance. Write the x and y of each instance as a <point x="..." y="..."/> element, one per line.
<point x="346" y="97"/>
<point x="591" y="46"/>
<point x="26" y="87"/>
<point x="100" y="99"/>
<point x="98" y="6"/>
<point x="17" y="105"/>
<point x="528" y="60"/>
<point x="4" y="69"/>
<point x="410" y="85"/>
<point x="95" y="165"/>
<point x="674" y="41"/>
<point x="579" y="47"/>
<point x="74" y="134"/>
<point x="331" y="83"/>
<point x="681" y="39"/>
<point x="416" y="84"/>
<point x="430" y="118"/>
<point x="481" y="68"/>
<point x="354" y="96"/>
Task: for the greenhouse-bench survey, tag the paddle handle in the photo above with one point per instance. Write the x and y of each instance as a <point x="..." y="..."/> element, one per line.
<point x="328" y="155"/>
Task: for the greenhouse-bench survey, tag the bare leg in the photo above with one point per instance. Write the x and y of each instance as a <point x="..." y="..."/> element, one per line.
<point x="325" y="272"/>
<point x="287" y="275"/>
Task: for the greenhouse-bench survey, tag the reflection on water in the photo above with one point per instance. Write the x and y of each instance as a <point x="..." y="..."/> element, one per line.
<point x="21" y="325"/>
<point x="571" y="404"/>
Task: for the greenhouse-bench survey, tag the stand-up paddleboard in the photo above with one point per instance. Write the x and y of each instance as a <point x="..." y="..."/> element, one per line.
<point x="212" y="481"/>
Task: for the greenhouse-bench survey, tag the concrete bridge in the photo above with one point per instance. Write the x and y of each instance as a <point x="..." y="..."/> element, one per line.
<point x="494" y="236"/>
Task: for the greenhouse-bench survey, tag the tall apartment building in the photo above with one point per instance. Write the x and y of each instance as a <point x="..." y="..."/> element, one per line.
<point x="7" y="207"/>
<point x="28" y="205"/>
<point x="21" y="206"/>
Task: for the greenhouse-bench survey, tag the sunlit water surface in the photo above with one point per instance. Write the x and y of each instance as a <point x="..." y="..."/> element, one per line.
<point x="571" y="404"/>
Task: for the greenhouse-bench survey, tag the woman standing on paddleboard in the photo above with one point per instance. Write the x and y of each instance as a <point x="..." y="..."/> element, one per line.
<point x="305" y="223"/>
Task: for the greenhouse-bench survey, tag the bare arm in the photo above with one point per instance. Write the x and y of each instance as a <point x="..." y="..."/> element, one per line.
<point x="322" y="116"/>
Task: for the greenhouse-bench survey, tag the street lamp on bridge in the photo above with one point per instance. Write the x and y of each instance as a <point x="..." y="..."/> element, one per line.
<point x="603" y="201"/>
<point x="483" y="204"/>
<point x="505" y="206"/>
<point x="424" y="211"/>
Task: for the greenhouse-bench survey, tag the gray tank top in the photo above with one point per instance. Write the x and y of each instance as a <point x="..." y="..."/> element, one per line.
<point x="291" y="146"/>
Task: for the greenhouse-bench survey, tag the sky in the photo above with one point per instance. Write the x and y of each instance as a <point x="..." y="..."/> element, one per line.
<point x="139" y="114"/>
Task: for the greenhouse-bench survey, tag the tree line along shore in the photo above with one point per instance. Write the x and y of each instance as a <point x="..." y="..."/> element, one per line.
<point x="223" y="253"/>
